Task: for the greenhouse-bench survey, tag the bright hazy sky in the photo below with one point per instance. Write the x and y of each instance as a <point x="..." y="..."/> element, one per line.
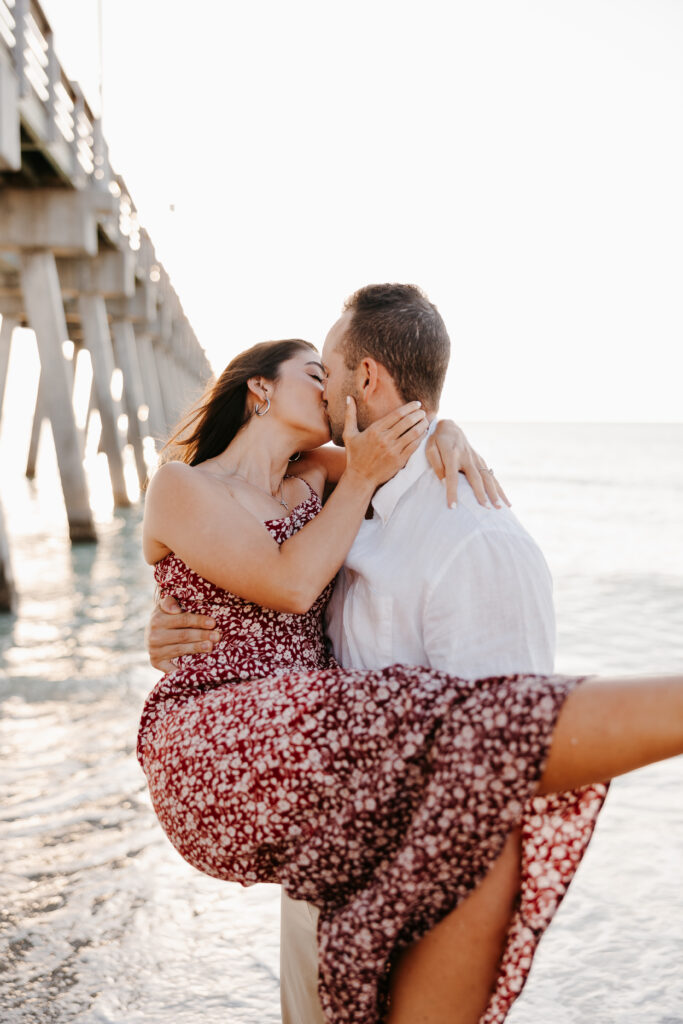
<point x="521" y="161"/>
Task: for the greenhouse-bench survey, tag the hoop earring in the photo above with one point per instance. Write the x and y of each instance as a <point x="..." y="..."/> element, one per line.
<point x="295" y="457"/>
<point x="257" y="408"/>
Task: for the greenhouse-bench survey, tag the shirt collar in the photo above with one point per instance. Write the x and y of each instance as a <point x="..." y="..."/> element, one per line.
<point x="388" y="495"/>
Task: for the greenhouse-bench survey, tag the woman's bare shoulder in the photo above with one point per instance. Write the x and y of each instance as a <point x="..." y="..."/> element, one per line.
<point x="171" y="474"/>
<point x="179" y="480"/>
<point x="178" y="497"/>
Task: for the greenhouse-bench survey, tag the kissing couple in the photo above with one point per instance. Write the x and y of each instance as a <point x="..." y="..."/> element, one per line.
<point x="359" y="701"/>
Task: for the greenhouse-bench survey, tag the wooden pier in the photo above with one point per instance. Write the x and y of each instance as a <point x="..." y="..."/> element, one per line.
<point x="76" y="266"/>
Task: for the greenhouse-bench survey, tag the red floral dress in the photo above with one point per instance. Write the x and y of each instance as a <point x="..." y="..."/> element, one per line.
<point x="381" y="796"/>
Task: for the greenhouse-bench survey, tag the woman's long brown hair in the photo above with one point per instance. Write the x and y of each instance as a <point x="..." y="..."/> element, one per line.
<point x="209" y="428"/>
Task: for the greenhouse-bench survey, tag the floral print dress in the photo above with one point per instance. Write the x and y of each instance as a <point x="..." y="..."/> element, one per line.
<point x="383" y="797"/>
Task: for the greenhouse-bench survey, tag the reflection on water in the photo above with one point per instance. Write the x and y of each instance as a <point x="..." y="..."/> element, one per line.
<point x="101" y="921"/>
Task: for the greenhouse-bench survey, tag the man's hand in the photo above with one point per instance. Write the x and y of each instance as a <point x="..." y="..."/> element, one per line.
<point x="172" y="632"/>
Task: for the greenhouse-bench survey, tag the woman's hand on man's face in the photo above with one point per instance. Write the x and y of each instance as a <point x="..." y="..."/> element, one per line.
<point x="172" y="632"/>
<point x="384" y="447"/>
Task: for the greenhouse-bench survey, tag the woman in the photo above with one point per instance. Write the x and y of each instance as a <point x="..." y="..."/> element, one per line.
<point x="266" y="762"/>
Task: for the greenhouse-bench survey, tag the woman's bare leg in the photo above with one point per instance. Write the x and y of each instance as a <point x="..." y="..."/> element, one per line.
<point x="606" y="727"/>
<point x="448" y="976"/>
<point x="610" y="726"/>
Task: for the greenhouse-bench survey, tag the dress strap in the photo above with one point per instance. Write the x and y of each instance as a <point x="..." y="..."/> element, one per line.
<point x="314" y="494"/>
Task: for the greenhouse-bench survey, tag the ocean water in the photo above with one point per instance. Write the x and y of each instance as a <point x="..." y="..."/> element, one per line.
<point x="100" y="919"/>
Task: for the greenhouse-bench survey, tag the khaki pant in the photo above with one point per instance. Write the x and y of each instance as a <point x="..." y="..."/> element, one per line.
<point x="299" y="963"/>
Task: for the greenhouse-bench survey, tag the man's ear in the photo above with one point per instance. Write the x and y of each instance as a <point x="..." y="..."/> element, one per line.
<point x="367" y="378"/>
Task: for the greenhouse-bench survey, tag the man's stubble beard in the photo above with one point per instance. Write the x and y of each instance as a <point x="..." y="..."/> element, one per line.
<point x="336" y="417"/>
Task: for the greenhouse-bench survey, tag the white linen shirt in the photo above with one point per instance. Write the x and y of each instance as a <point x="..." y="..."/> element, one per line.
<point x="465" y="590"/>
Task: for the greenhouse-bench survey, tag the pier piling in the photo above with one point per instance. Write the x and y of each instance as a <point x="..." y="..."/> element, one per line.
<point x="127" y="361"/>
<point x="98" y="342"/>
<point x="43" y="299"/>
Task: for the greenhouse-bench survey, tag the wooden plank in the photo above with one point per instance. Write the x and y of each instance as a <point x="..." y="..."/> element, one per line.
<point x="10" y="132"/>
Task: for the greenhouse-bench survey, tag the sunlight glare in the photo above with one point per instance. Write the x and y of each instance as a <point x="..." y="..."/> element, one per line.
<point x="99" y="485"/>
<point x="92" y="441"/>
<point x="151" y="454"/>
<point x="130" y="473"/>
<point x="116" y="385"/>
<point x="83" y="379"/>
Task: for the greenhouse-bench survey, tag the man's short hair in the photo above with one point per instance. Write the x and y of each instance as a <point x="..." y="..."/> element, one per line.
<point x="399" y="327"/>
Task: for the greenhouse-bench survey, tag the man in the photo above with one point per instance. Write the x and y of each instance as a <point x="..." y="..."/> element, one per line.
<point x="464" y="590"/>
